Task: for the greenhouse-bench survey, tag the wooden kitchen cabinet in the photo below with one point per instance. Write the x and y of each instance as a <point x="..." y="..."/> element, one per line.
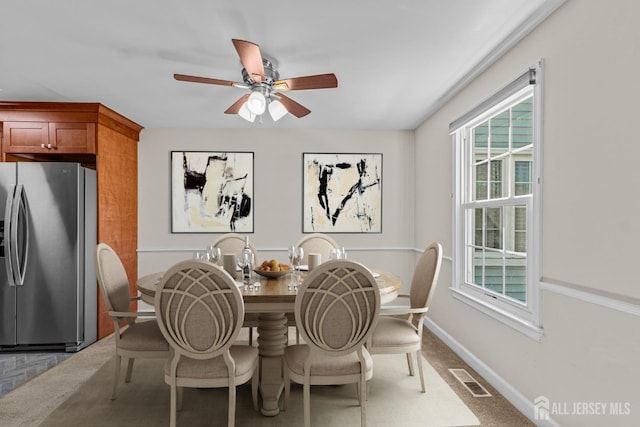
<point x="99" y="138"/>
<point x="49" y="137"/>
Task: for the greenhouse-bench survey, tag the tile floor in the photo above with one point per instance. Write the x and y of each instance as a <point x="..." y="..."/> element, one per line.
<point x="19" y="367"/>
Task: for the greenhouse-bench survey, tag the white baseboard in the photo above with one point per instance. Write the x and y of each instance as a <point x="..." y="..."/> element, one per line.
<point x="516" y="398"/>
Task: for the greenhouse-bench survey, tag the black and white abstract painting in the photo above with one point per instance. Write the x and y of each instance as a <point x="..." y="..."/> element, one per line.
<point x="342" y="193"/>
<point x="211" y="192"/>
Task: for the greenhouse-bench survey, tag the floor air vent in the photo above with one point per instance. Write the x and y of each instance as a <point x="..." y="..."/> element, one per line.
<point x="470" y="383"/>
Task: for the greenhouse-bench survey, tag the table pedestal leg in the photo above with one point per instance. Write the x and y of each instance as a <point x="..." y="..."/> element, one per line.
<point x="272" y="339"/>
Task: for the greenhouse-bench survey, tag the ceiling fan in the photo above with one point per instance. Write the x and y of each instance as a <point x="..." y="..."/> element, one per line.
<point x="263" y="81"/>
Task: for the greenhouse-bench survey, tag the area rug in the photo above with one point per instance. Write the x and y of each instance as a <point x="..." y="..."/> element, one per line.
<point x="394" y="399"/>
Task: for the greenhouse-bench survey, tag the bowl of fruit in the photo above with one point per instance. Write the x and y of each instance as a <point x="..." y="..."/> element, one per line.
<point x="272" y="269"/>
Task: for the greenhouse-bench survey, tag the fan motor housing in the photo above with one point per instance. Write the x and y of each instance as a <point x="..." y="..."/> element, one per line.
<point x="271" y="75"/>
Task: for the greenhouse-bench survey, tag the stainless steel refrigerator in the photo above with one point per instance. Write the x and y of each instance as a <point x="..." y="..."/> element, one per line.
<point x="48" y="287"/>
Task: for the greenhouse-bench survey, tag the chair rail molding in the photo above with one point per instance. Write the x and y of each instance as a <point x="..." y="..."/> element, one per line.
<point x="602" y="298"/>
<point x="284" y="249"/>
<point x="593" y="296"/>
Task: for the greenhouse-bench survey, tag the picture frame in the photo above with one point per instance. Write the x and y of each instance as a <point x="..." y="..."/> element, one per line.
<point x="212" y="192"/>
<point x="342" y="193"/>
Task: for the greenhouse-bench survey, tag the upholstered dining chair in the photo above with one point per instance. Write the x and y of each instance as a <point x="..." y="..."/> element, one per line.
<point x="336" y="310"/>
<point x="399" y="329"/>
<point x="200" y="312"/>
<point x="317" y="243"/>
<point x="134" y="338"/>
<point x="233" y="243"/>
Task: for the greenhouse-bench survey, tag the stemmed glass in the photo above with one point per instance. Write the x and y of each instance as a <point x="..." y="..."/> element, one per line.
<point x="339" y="253"/>
<point x="245" y="262"/>
<point x="292" y="251"/>
<point x="213" y="254"/>
<point x="295" y="256"/>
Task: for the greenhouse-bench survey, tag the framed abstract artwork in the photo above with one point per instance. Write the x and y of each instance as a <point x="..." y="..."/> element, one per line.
<point x="211" y="192"/>
<point x="342" y="193"/>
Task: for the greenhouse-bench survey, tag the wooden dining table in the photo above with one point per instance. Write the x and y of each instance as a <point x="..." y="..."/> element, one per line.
<point x="272" y="300"/>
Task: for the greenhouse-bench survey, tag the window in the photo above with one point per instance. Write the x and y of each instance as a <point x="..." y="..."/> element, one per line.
<point x="496" y="204"/>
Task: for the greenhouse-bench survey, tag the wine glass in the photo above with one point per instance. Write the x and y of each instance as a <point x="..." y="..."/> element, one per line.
<point x="213" y="254"/>
<point x="292" y="251"/>
<point x="298" y="254"/>
<point x="245" y="262"/>
<point x="200" y="255"/>
<point x="338" y="253"/>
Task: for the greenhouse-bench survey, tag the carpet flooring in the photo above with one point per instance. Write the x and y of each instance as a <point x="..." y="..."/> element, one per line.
<point x="394" y="398"/>
<point x="48" y="396"/>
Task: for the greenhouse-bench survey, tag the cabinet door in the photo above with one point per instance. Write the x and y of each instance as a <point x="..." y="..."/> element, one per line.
<point x="25" y="137"/>
<point x="72" y="137"/>
<point x="49" y="137"/>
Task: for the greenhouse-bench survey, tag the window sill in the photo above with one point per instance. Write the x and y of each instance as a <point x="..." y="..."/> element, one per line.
<point x="521" y="325"/>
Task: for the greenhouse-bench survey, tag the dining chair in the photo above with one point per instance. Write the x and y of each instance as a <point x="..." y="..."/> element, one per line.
<point x="133" y="338"/>
<point x="200" y="312"/>
<point x="336" y="311"/>
<point x="317" y="243"/>
<point x="233" y="243"/>
<point x="320" y="243"/>
<point x="399" y="329"/>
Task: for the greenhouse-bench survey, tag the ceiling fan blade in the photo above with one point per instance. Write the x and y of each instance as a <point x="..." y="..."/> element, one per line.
<point x="251" y="58"/>
<point x="293" y="107"/>
<point x="207" y="80"/>
<point x="237" y="105"/>
<point x="319" y="81"/>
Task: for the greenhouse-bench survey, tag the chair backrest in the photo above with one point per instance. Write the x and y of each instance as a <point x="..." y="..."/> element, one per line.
<point x="113" y="280"/>
<point x="317" y="243"/>
<point x="199" y="309"/>
<point x="425" y="276"/>
<point x="337" y="307"/>
<point x="233" y="243"/>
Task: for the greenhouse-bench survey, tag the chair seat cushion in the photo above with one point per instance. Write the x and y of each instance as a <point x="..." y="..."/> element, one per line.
<point x="243" y="355"/>
<point x="394" y="332"/>
<point x="143" y="336"/>
<point x="295" y="355"/>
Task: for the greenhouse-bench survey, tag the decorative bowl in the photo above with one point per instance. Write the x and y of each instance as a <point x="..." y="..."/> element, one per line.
<point x="272" y="274"/>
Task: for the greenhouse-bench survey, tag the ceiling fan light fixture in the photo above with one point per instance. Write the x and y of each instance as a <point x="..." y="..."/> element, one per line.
<point x="263" y="81"/>
<point x="257" y="103"/>
<point x="277" y="110"/>
<point x="246" y="114"/>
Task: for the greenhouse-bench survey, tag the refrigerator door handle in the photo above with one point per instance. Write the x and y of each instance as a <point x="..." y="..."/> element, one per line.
<point x="8" y="239"/>
<point x="8" y="262"/>
<point x="19" y="243"/>
<point x="22" y="214"/>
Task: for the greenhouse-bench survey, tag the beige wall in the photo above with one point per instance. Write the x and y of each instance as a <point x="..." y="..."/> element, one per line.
<point x="591" y="298"/>
<point x="278" y="192"/>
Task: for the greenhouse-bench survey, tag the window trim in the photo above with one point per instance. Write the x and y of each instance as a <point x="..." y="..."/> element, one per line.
<point x="524" y="318"/>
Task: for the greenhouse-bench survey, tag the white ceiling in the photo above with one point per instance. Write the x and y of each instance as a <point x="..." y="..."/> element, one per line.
<point x="394" y="59"/>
